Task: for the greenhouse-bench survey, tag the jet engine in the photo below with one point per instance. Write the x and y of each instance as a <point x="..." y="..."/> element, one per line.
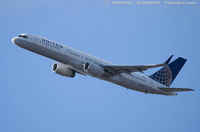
<point x="63" y="70"/>
<point x="93" y="69"/>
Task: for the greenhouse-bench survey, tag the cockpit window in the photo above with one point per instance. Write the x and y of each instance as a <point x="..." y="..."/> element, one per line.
<point x="23" y="36"/>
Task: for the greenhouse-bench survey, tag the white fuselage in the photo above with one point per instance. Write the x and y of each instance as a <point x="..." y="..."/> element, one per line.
<point x="75" y="60"/>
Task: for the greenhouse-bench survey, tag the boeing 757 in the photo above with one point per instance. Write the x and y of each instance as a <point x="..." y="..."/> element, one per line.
<point x="72" y="61"/>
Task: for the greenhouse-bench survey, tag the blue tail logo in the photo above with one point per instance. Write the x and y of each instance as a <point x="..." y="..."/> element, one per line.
<point x="167" y="74"/>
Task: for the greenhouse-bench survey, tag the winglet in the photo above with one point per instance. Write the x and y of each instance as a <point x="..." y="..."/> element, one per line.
<point x="168" y="60"/>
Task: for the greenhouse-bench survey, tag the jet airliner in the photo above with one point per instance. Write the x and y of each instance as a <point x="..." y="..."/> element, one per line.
<point x="72" y="61"/>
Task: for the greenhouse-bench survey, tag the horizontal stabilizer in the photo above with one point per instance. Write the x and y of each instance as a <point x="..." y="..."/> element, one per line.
<point x="176" y="89"/>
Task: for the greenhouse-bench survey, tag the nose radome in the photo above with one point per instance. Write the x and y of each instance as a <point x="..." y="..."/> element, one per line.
<point x="14" y="40"/>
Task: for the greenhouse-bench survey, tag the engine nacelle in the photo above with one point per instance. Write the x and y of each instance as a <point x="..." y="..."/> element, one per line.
<point x="63" y="70"/>
<point x="93" y="69"/>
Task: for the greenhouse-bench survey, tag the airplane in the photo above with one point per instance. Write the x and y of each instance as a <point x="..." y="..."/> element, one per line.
<point x="72" y="61"/>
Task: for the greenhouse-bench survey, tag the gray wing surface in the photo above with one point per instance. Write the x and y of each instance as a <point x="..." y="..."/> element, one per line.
<point x="137" y="68"/>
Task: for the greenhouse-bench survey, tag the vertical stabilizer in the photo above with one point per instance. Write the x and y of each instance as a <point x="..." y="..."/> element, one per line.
<point x="167" y="74"/>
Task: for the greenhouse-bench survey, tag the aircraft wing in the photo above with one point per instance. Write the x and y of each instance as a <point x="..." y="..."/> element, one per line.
<point x="115" y="69"/>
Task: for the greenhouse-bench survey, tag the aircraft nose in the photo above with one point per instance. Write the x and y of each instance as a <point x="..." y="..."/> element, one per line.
<point x="14" y="40"/>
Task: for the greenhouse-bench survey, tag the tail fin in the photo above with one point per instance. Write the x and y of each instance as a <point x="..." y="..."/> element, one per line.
<point x="167" y="74"/>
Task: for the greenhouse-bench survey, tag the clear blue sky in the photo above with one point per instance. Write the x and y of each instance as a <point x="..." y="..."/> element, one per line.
<point x="34" y="99"/>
